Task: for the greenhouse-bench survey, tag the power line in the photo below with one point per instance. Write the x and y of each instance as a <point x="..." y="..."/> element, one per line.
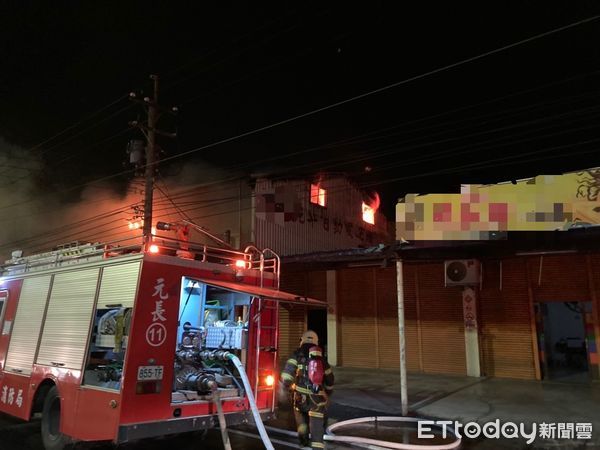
<point x="385" y="88"/>
<point x="333" y="105"/>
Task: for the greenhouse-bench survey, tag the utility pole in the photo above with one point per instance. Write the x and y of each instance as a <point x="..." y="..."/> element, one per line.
<point x="150" y="161"/>
<point x="150" y="131"/>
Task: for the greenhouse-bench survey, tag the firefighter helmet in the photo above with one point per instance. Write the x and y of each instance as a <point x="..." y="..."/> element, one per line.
<point x="309" y="337"/>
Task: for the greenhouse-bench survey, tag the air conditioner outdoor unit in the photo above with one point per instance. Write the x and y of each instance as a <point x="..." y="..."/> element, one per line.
<point x="461" y="272"/>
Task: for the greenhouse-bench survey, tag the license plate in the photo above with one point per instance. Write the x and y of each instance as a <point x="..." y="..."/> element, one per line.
<point x="150" y="373"/>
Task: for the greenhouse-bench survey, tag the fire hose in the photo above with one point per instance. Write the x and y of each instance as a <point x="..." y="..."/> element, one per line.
<point x="370" y="443"/>
<point x="224" y="355"/>
<point x="222" y="421"/>
<point x="329" y="435"/>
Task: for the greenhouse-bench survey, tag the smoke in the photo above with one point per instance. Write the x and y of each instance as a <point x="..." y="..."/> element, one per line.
<point x="35" y="219"/>
<point x="20" y="199"/>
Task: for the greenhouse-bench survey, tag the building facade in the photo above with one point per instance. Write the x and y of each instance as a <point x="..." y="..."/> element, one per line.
<point x="532" y="313"/>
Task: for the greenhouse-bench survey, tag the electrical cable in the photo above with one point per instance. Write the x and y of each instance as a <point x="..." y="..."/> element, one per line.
<point x="476" y="165"/>
<point x="371" y="92"/>
<point x="387" y="87"/>
<point x="229" y="179"/>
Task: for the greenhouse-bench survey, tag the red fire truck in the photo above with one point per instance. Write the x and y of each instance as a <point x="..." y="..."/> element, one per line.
<point x="123" y="342"/>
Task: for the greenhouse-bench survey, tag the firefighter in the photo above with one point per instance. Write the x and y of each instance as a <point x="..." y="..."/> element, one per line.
<point x="309" y="377"/>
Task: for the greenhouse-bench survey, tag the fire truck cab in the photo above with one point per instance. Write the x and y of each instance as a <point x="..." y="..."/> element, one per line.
<point x="123" y="342"/>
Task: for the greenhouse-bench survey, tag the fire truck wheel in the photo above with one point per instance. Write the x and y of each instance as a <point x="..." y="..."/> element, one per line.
<point x="52" y="438"/>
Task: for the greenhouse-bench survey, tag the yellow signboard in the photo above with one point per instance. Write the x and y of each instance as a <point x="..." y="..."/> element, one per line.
<point x="478" y="212"/>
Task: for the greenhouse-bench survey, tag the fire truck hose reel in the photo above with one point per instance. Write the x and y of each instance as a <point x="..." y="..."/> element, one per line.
<point x="261" y="428"/>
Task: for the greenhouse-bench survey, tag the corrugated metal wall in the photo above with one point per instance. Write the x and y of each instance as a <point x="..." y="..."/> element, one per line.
<point x="290" y="224"/>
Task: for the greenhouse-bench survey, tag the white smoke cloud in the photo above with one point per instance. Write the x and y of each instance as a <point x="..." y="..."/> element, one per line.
<point x="36" y="220"/>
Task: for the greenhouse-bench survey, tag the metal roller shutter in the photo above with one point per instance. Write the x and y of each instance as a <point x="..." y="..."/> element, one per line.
<point x="292" y="318"/>
<point x="505" y="327"/>
<point x="67" y="324"/>
<point x="359" y="339"/>
<point x="27" y="324"/>
<point x="561" y="278"/>
<point x="387" y="318"/>
<point x="119" y="285"/>
<point x="442" y="326"/>
<point x="292" y="321"/>
<point x="291" y="326"/>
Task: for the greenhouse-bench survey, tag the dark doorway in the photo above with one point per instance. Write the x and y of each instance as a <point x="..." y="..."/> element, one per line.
<point x="316" y="320"/>
<point x="562" y="341"/>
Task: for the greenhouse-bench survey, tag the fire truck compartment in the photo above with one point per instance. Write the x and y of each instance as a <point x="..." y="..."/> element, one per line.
<point x="211" y="318"/>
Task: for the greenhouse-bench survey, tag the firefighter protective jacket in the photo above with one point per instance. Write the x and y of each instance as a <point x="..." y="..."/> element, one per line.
<point x="295" y="374"/>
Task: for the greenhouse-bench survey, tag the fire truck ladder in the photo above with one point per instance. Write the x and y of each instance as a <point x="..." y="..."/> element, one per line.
<point x="265" y="260"/>
<point x="267" y="337"/>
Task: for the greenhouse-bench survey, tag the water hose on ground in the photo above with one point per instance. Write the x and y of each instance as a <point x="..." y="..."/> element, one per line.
<point x="222" y="422"/>
<point x="257" y="420"/>
<point x="330" y="436"/>
<point x="369" y="443"/>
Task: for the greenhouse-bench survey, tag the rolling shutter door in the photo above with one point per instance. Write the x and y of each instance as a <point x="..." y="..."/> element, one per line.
<point x="387" y="318"/>
<point x="119" y="285"/>
<point x="563" y="278"/>
<point x="506" y="338"/>
<point x="68" y="318"/>
<point x="27" y="324"/>
<point x="358" y="345"/>
<point x="292" y="318"/>
<point x="291" y="326"/>
<point x="442" y="326"/>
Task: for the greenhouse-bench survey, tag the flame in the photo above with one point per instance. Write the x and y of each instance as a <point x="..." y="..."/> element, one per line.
<point x="376" y="202"/>
<point x="369" y="209"/>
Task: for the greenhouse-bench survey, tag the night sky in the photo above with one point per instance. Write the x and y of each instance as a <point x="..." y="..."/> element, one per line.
<point x="237" y="67"/>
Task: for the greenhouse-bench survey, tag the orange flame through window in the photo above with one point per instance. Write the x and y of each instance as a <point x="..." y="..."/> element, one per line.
<point x="369" y="209"/>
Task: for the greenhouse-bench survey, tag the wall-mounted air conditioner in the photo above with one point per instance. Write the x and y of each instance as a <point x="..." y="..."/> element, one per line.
<point x="461" y="272"/>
